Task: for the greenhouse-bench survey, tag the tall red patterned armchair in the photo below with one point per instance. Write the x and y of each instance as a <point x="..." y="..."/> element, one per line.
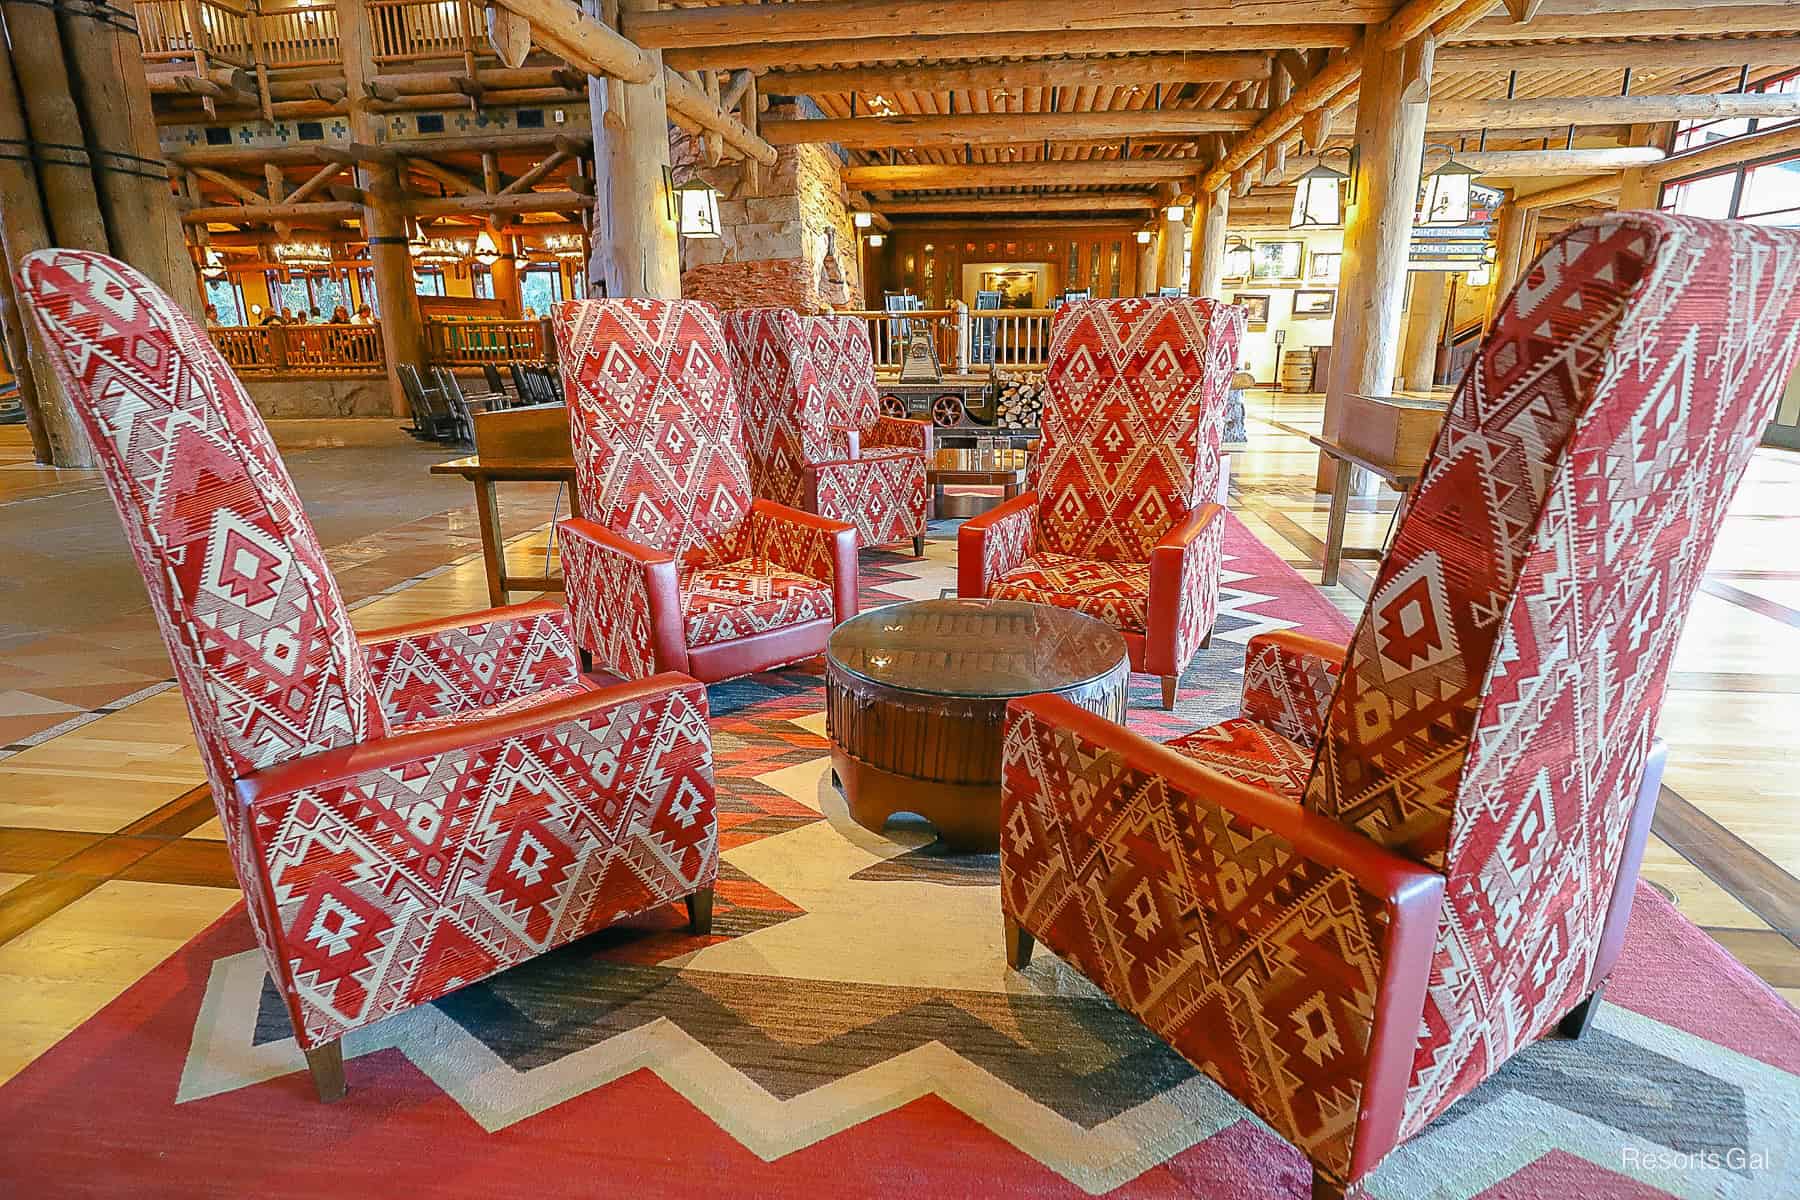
<point x="1119" y="522"/>
<point x="408" y="811"/>
<point x="675" y="567"/>
<point x="815" y="435"/>
<point x="1412" y="856"/>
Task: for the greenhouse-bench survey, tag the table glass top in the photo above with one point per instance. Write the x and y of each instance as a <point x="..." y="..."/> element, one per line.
<point x="984" y="648"/>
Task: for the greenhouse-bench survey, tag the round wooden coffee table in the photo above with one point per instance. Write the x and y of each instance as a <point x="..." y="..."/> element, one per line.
<point x="915" y="702"/>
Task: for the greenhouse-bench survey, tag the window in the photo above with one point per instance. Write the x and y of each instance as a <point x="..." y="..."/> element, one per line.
<point x="1766" y="192"/>
<point x="288" y="293"/>
<point x="481" y="281"/>
<point x="1690" y="135"/>
<point x="428" y="281"/>
<point x="539" y="288"/>
<point x="365" y="287"/>
<point x="227" y="300"/>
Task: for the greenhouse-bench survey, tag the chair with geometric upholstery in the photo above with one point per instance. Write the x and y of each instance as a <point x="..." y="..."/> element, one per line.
<point x="408" y="811"/>
<point x="798" y="381"/>
<point x="1120" y="521"/>
<point x="674" y="565"/>
<point x="1411" y="856"/>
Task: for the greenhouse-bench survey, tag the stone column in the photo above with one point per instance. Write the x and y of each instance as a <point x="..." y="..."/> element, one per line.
<point x="1390" y="140"/>
<point x="1211" y="211"/>
<point x="1427" y="301"/>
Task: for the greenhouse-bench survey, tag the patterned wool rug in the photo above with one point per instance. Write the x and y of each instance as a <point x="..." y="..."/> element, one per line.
<point x="851" y="1029"/>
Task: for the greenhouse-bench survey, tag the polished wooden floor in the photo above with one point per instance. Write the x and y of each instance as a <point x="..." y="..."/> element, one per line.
<point x="110" y="856"/>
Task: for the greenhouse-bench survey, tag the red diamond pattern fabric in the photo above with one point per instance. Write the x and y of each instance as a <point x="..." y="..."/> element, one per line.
<point x="1243" y="749"/>
<point x="810" y="410"/>
<point x="1135" y="404"/>
<point x="735" y="600"/>
<point x="511" y="806"/>
<point x="1115" y="592"/>
<point x="654" y="420"/>
<point x="1491" y="721"/>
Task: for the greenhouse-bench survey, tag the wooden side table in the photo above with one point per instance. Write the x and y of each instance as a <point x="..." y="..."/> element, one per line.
<point x="915" y="703"/>
<point x="1004" y="469"/>
<point x="1402" y="479"/>
<point x="484" y="474"/>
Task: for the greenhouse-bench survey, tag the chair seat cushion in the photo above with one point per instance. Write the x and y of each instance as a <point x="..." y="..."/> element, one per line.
<point x="505" y="708"/>
<point x="1115" y="592"/>
<point x="1250" y="753"/>
<point x="752" y="595"/>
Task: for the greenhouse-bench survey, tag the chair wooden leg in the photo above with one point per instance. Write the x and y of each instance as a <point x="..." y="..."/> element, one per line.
<point x="327" y="1066"/>
<point x="1576" y="1023"/>
<point x="918" y="545"/>
<point x="699" y="906"/>
<point x="1018" y="944"/>
<point x="1169" y="683"/>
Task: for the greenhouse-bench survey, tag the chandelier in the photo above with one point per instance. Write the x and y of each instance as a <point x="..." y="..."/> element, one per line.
<point x="441" y="252"/>
<point x="303" y="256"/>
<point x="566" y="245"/>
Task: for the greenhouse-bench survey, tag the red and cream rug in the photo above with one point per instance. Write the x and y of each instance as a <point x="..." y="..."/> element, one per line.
<point x="851" y="1029"/>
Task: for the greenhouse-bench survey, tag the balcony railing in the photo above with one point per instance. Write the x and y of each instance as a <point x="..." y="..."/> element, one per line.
<point x="420" y="30"/>
<point x="300" y="36"/>
<point x="206" y="31"/>
<point x="965" y="341"/>
<point x="357" y="350"/>
<point x="305" y="34"/>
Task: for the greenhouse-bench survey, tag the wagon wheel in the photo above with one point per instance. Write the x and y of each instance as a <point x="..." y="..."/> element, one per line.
<point x="893" y="406"/>
<point x="946" y="411"/>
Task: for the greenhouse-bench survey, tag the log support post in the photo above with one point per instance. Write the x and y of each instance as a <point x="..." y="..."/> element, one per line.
<point x="1173" y="268"/>
<point x="1390" y="145"/>
<point x="1427" y="301"/>
<point x="634" y="246"/>
<point x="1211" y="211"/>
<point x="1515" y="241"/>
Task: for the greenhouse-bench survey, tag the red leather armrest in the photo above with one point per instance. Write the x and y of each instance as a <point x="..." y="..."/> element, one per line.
<point x="812" y="545"/>
<point x="660" y="583"/>
<point x="346" y="762"/>
<point x="991" y="544"/>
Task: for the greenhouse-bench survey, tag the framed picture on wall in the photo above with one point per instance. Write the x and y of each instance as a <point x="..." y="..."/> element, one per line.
<point x="1322" y="267"/>
<point x="1276" y="260"/>
<point x="1256" y="304"/>
<point x="1319" y="303"/>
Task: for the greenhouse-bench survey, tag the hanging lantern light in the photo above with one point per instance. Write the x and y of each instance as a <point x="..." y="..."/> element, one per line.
<point x="1176" y="212"/>
<point x="863" y="218"/>
<point x="1321" y="193"/>
<point x="213" y="265"/>
<point x="417" y="241"/>
<point x="697" y="209"/>
<point x="1238" y="257"/>
<point x="1446" y="195"/>
<point x="1480" y="276"/>
<point x="487" y="251"/>
<point x="876" y="240"/>
<point x="1142" y="236"/>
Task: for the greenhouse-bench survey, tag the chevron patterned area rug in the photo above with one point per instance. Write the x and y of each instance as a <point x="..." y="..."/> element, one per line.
<point x="851" y="1029"/>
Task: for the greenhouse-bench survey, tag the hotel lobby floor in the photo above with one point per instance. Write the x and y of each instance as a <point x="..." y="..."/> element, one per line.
<point x="110" y="857"/>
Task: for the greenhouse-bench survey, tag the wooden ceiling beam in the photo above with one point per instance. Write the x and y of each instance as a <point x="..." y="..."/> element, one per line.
<point x="1606" y="55"/>
<point x="1527" y="162"/>
<point x="1591" y="188"/>
<point x="1606" y="110"/>
<point x="999" y="128"/>
<point x="932" y="176"/>
<point x="760" y="55"/>
<point x="240" y="214"/>
<point x="1058" y="72"/>
<point x="456" y="181"/>
<point x="489" y="205"/>
<point x="1660" y="17"/>
<point x="1110" y="202"/>
<point x="824" y="20"/>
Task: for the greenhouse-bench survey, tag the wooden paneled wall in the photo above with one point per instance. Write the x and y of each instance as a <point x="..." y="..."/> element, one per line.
<point x="928" y="261"/>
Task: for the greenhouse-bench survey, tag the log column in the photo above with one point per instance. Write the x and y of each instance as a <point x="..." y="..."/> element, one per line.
<point x="1638" y="190"/>
<point x="1173" y="268"/>
<point x="506" y="283"/>
<point x="384" y="216"/>
<point x="1515" y="240"/>
<point x="1207" y="270"/>
<point x="1149" y="255"/>
<point x="1427" y="301"/>
<point x="1390" y="140"/>
<point x="635" y="249"/>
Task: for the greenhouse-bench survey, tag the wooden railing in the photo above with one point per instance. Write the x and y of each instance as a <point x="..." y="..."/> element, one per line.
<point x="966" y="341"/>
<point x="304" y="35"/>
<point x="418" y="30"/>
<point x="888" y="333"/>
<point x="1009" y="336"/>
<point x="207" y="31"/>
<point x="471" y="343"/>
<point x="301" y="349"/>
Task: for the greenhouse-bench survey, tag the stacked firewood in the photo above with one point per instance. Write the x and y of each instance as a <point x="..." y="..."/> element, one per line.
<point x="1021" y="401"/>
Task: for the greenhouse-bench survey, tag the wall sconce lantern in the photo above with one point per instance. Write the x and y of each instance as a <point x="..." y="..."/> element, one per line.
<point x="213" y="267"/>
<point x="1237" y="258"/>
<point x="1321" y="194"/>
<point x="1176" y="212"/>
<point x="1480" y="276"/>
<point x="1446" y="199"/>
<point x="875" y="240"/>
<point x="487" y="251"/>
<point x="699" y="210"/>
<point x="1142" y="236"/>
<point x="863" y="218"/>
